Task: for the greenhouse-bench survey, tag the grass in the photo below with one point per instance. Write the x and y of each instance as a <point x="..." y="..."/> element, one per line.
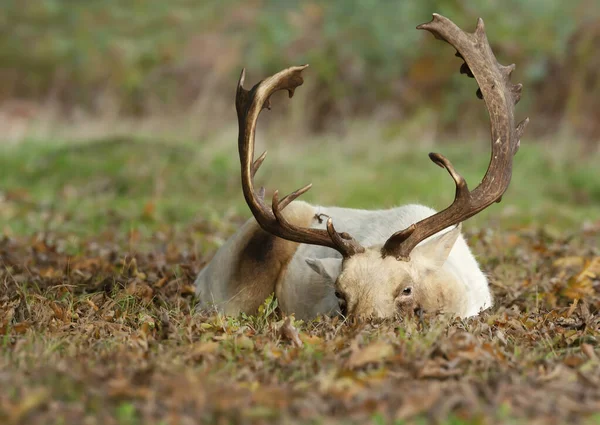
<point x="102" y="242"/>
<point x="143" y="184"/>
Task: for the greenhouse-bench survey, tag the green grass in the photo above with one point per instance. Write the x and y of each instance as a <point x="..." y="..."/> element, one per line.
<point x="105" y="239"/>
<point x="143" y="184"/>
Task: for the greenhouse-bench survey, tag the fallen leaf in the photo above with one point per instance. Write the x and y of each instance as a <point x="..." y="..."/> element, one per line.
<point x="21" y="327"/>
<point x="92" y="304"/>
<point x="149" y="209"/>
<point x="573" y="361"/>
<point x="568" y="262"/>
<point x="203" y="350"/>
<point x="311" y="339"/>
<point x="375" y="352"/>
<point x="588" y="350"/>
<point x="418" y="402"/>
<point x="244" y="342"/>
<point x="592" y="269"/>
<point x="28" y="403"/>
<point x="288" y="331"/>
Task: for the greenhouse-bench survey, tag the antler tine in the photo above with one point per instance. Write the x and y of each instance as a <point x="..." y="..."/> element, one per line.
<point x="343" y="239"/>
<point x="249" y="104"/>
<point x="500" y="96"/>
<point x="462" y="191"/>
<point x="258" y="162"/>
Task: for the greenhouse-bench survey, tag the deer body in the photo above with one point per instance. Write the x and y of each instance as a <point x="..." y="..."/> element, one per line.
<point x="363" y="268"/>
<point x="302" y="290"/>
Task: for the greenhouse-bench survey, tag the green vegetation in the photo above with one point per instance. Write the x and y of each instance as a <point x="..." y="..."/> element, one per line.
<point x="152" y="57"/>
<point x="109" y="335"/>
<point x="101" y="240"/>
<point x="142" y="184"/>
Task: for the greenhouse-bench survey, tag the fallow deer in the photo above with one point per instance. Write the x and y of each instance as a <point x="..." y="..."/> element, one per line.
<point x="314" y="268"/>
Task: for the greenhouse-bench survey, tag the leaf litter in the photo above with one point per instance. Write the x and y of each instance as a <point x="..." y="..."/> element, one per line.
<point x="110" y="335"/>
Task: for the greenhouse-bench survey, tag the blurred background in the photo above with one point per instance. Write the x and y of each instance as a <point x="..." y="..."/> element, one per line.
<point x="127" y="107"/>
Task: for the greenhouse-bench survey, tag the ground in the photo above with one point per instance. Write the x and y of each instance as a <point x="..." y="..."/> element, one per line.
<point x="102" y="241"/>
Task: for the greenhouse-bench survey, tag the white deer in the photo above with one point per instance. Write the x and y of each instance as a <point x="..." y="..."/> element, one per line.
<point x="293" y="249"/>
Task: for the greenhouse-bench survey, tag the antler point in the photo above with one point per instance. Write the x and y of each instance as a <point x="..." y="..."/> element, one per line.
<point x="242" y="78"/>
<point x="438" y="159"/>
<point x="330" y="228"/>
<point x="480" y="27"/>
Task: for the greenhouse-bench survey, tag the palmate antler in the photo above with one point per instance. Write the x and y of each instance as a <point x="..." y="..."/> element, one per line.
<point x="249" y="104"/>
<point x="495" y="88"/>
<point x="500" y="96"/>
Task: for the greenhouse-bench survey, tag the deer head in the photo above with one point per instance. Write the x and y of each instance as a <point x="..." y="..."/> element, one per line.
<point x="406" y="272"/>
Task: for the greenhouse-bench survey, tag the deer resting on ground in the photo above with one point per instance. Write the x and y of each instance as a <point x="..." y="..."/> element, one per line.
<point x="360" y="267"/>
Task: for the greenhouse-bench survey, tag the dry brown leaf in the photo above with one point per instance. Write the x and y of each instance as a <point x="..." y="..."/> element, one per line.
<point x="59" y="312"/>
<point x="202" y="348"/>
<point x="272" y="351"/>
<point x="188" y="289"/>
<point x="161" y="282"/>
<point x="581" y="285"/>
<point x="311" y="339"/>
<point x="28" y="403"/>
<point x="418" y="402"/>
<point x="22" y="327"/>
<point x="578" y="287"/>
<point x="289" y="332"/>
<point x="592" y="269"/>
<point x="343" y="385"/>
<point x="120" y="387"/>
<point x="139" y="340"/>
<point x="92" y="304"/>
<point x="569" y="262"/>
<point x="375" y="352"/>
<point x="572" y="307"/>
<point x="573" y="361"/>
<point x="244" y="342"/>
<point x="432" y="370"/>
<point x="588" y="350"/>
<point x="149" y="209"/>
<point x="50" y="273"/>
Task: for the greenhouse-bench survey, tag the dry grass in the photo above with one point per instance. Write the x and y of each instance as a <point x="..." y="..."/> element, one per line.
<point x="109" y="335"/>
<point x="102" y="242"/>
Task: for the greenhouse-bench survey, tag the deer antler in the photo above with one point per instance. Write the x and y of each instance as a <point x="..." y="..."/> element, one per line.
<point x="500" y="96"/>
<point x="249" y="104"/>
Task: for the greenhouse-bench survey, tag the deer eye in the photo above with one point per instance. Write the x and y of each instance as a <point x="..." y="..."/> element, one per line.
<point x="407" y="290"/>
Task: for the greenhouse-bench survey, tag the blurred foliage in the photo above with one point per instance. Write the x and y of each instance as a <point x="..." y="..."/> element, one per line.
<point x="141" y="184"/>
<point x="144" y="56"/>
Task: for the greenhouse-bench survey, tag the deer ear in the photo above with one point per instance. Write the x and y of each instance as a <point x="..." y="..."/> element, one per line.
<point x="329" y="268"/>
<point x="437" y="250"/>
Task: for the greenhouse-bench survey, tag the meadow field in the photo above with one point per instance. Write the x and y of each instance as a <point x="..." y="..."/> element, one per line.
<point x="102" y="241"/>
<point x="119" y="179"/>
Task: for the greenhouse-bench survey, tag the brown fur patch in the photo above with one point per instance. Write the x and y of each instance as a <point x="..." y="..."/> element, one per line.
<point x="262" y="260"/>
<point x="259" y="246"/>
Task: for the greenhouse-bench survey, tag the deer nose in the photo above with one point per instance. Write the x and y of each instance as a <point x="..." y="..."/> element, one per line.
<point x="343" y="305"/>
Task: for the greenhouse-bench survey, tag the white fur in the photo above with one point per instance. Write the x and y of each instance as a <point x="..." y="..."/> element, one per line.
<point x="306" y="287"/>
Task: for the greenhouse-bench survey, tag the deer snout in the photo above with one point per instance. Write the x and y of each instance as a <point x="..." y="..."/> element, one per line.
<point x="342" y="303"/>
